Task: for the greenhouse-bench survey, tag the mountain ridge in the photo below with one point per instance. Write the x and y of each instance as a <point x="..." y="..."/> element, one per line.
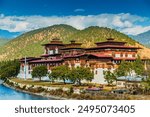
<point x="29" y="44"/>
<point x="143" y="38"/>
<point x="8" y="35"/>
<point x="3" y="41"/>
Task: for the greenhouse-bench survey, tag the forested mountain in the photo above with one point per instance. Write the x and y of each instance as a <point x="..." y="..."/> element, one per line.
<point x="3" y="41"/>
<point x="29" y="44"/>
<point x="143" y="38"/>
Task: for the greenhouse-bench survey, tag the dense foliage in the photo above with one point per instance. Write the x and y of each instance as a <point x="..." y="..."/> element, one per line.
<point x="76" y="75"/>
<point x="60" y="73"/>
<point x="110" y="77"/>
<point x="9" y="69"/>
<point x="124" y="69"/>
<point x="81" y="73"/>
<point x="128" y="68"/>
<point x="39" y="72"/>
<point x="138" y="66"/>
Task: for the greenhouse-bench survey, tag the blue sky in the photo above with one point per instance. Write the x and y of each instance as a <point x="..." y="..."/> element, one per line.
<point x="67" y="7"/>
<point x="128" y="16"/>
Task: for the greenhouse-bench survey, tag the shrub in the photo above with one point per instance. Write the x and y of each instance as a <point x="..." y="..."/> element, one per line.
<point x="40" y="89"/>
<point x="70" y="91"/>
<point x="74" y="95"/>
<point x="24" y="87"/>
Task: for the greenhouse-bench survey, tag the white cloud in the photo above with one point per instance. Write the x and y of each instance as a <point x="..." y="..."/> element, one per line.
<point x="79" y="10"/>
<point x="124" y="22"/>
<point x="136" y="30"/>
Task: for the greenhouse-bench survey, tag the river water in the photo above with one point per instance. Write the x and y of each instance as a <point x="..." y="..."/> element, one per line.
<point x="10" y="94"/>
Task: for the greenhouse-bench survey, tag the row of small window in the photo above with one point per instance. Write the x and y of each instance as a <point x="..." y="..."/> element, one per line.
<point x="46" y="64"/>
<point x="53" y="51"/>
<point x="125" y="55"/>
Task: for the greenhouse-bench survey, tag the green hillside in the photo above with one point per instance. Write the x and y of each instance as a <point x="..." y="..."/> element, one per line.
<point x="3" y="41"/>
<point x="97" y="34"/>
<point x="29" y="44"/>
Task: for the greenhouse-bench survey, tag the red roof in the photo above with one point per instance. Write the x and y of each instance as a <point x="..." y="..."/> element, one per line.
<point x="47" y="55"/>
<point x="29" y="59"/>
<point x="111" y="43"/>
<point x="72" y="56"/>
<point x="69" y="48"/>
<point x="101" y="55"/>
<point x="97" y="55"/>
<point x="43" y="61"/>
<point x="113" y="46"/>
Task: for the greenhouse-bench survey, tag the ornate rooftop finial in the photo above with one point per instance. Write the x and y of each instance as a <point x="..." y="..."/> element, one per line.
<point x="110" y="39"/>
<point x="72" y="41"/>
<point x="56" y="39"/>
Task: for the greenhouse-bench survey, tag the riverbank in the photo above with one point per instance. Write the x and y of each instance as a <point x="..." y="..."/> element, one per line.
<point x="36" y="94"/>
<point x="63" y="93"/>
<point x="68" y="93"/>
<point x="1" y="82"/>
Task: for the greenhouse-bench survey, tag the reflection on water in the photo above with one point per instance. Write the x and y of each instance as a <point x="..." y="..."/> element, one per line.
<point x="10" y="94"/>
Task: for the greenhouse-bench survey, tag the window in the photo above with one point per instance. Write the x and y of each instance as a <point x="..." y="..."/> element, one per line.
<point x="77" y="59"/>
<point x="121" y="55"/>
<point x="56" y="50"/>
<point x="87" y="61"/>
<point x="103" y="66"/>
<point x="50" y="51"/>
<point x="117" y="55"/>
<point x="133" y="55"/>
<point x="129" y="55"/>
<point x="96" y="72"/>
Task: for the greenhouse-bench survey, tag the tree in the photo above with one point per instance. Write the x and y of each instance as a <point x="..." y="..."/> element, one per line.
<point x="9" y="69"/>
<point x="109" y="77"/>
<point x="146" y="83"/>
<point x="80" y="73"/>
<point x="39" y="72"/>
<point x="138" y="66"/>
<point x="60" y="72"/>
<point x="124" y="69"/>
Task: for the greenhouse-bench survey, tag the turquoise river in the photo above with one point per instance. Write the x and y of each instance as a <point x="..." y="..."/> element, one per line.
<point x="10" y="94"/>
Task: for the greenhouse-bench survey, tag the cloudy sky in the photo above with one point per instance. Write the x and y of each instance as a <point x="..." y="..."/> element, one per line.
<point x="131" y="17"/>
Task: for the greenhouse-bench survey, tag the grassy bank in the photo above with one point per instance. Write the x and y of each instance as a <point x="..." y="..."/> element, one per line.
<point x="59" y="84"/>
<point x="61" y="91"/>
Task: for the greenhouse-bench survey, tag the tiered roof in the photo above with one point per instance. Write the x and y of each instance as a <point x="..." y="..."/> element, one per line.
<point x="72" y="45"/>
<point x="110" y="41"/>
<point x="109" y="44"/>
<point x="55" y="41"/>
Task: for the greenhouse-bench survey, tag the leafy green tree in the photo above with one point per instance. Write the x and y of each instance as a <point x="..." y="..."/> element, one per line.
<point x="9" y="69"/>
<point x="138" y="66"/>
<point x="80" y="73"/>
<point x="146" y="83"/>
<point x="39" y="72"/>
<point x="60" y="72"/>
<point x="52" y="76"/>
<point x="109" y="77"/>
<point x="124" y="69"/>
